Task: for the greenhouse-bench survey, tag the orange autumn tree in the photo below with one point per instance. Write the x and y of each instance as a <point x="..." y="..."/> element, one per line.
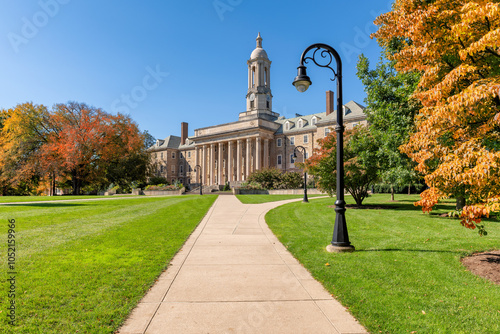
<point x="74" y="142"/>
<point x="23" y="133"/>
<point x="90" y="143"/>
<point x="456" y="46"/>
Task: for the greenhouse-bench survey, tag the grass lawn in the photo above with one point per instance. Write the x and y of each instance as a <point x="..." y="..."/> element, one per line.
<point x="14" y="199"/>
<point x="405" y="275"/>
<point x="258" y="199"/>
<point x="83" y="266"/>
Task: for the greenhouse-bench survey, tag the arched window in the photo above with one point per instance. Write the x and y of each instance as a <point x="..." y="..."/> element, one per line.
<point x="265" y="76"/>
<point x="253" y="76"/>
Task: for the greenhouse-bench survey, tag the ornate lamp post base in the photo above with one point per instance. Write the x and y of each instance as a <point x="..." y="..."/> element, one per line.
<point x="339" y="249"/>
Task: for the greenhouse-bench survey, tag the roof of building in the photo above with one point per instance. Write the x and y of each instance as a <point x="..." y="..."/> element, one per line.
<point x="352" y="110"/>
<point x="259" y="52"/>
<point x="169" y="142"/>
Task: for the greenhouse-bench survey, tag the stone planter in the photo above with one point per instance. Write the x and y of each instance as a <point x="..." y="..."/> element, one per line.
<point x="177" y="192"/>
<point x="239" y="191"/>
<point x="137" y="191"/>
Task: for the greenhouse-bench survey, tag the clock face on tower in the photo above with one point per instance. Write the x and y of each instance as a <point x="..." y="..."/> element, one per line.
<point x="252" y="97"/>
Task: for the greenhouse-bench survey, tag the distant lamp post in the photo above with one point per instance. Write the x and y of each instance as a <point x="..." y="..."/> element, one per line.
<point x="197" y="168"/>
<point x="340" y="241"/>
<point x="302" y="148"/>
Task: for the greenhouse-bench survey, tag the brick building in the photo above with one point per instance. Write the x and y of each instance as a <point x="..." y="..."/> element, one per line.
<point x="260" y="138"/>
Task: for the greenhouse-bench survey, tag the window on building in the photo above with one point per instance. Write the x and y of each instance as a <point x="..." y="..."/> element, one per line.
<point x="267" y="104"/>
<point x="292" y="140"/>
<point x="252" y="105"/>
<point x="279" y="159"/>
<point x="161" y="169"/>
<point x="253" y="76"/>
<point x="287" y="126"/>
<point x="173" y="169"/>
<point x="327" y="131"/>
<point x="181" y="169"/>
<point x="314" y="120"/>
<point x="161" y="155"/>
<point x="278" y="142"/>
<point x="265" y="76"/>
<point x="300" y="123"/>
<point x="173" y="155"/>
<point x="306" y="155"/>
<point x="189" y="154"/>
<point x="292" y="159"/>
<point x="306" y="139"/>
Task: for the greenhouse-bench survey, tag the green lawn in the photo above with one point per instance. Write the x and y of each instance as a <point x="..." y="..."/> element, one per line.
<point x="14" y="199"/>
<point x="83" y="266"/>
<point x="405" y="275"/>
<point x="259" y="199"/>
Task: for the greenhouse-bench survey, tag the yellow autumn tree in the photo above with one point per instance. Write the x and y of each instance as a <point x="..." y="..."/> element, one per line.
<point x="455" y="44"/>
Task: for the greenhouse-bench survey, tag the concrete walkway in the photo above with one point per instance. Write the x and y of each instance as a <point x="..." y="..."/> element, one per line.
<point x="234" y="276"/>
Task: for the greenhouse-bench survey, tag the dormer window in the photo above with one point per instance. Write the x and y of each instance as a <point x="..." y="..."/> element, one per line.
<point x="300" y="124"/>
<point x="314" y="120"/>
<point x="287" y="126"/>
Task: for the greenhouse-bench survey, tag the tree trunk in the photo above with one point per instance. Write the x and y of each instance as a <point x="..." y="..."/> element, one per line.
<point x="74" y="181"/>
<point x="460" y="203"/>
<point x="53" y="184"/>
<point x="392" y="193"/>
<point x="409" y="187"/>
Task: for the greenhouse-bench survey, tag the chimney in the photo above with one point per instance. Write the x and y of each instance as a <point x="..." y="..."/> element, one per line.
<point x="184" y="132"/>
<point x="329" y="102"/>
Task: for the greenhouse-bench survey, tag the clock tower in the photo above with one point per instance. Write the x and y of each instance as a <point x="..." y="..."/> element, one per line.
<point x="259" y="97"/>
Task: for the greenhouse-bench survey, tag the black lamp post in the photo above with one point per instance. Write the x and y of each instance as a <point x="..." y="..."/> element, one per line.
<point x="198" y="169"/>
<point x="302" y="148"/>
<point x="340" y="241"/>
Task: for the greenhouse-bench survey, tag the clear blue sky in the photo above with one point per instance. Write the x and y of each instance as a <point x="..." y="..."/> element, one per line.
<point x="97" y="52"/>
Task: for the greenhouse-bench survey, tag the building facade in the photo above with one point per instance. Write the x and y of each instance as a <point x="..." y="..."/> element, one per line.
<point x="260" y="138"/>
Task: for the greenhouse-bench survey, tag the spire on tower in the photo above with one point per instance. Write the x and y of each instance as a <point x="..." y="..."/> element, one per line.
<point x="259" y="41"/>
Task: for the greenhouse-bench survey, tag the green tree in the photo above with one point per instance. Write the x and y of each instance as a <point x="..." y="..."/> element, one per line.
<point x="390" y="112"/>
<point x="360" y="163"/>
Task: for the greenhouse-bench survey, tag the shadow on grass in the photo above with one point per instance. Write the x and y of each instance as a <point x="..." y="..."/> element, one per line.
<point x="45" y="205"/>
<point x="409" y="250"/>
<point x="386" y="206"/>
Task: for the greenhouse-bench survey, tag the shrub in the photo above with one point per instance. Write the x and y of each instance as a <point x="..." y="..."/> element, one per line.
<point x="155" y="180"/>
<point x="273" y="178"/>
<point x="251" y="186"/>
<point x="163" y="186"/>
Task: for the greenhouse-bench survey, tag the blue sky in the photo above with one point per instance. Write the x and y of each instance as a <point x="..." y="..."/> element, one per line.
<point x="167" y="62"/>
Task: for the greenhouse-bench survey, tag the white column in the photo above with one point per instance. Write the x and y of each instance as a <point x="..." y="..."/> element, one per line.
<point x="248" y="159"/>
<point x="239" y="154"/>
<point x="266" y="153"/>
<point x="204" y="166"/>
<point x="230" y="161"/>
<point x="212" y="164"/>
<point x="220" y="165"/>
<point x="196" y="163"/>
<point x="257" y="154"/>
